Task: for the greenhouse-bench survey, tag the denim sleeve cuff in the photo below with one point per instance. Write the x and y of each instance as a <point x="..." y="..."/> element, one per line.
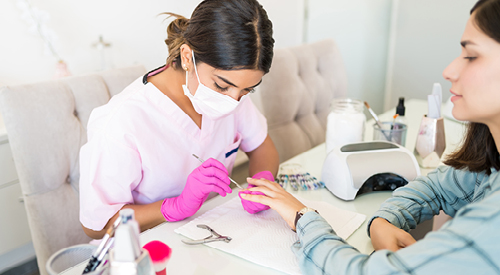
<point x="316" y="239"/>
<point x="311" y="221"/>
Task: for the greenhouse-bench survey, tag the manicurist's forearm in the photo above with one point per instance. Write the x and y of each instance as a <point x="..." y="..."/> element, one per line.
<point x="264" y="158"/>
<point x="147" y="216"/>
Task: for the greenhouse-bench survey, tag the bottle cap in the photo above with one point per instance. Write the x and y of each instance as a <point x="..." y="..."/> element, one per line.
<point x="400" y="109"/>
<point x="126" y="215"/>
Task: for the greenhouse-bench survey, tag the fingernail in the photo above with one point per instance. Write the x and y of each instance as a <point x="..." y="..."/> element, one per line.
<point x="249" y="178"/>
<point x="243" y="194"/>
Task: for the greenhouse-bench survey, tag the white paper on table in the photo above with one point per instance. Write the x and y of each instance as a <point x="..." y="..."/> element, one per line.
<point x="264" y="238"/>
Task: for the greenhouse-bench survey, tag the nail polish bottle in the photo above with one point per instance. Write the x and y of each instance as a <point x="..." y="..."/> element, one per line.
<point x="400" y="111"/>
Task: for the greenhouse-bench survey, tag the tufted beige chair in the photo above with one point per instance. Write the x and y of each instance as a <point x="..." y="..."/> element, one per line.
<point x="295" y="95"/>
<point x="46" y="125"/>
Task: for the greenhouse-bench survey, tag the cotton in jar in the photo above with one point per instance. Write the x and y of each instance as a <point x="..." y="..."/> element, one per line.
<point x="345" y="123"/>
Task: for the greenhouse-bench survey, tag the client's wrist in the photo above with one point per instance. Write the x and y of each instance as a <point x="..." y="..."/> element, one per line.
<point x="377" y="222"/>
<point x="300" y="213"/>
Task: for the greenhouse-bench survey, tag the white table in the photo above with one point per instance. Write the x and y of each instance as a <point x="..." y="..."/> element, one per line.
<point x="204" y="260"/>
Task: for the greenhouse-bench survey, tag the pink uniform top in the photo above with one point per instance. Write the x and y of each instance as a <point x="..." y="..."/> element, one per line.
<point x="140" y="147"/>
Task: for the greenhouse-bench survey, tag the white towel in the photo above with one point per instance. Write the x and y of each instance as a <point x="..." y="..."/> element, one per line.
<point x="264" y="238"/>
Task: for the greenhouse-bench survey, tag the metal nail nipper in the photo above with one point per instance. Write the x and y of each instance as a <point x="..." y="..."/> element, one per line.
<point x="214" y="237"/>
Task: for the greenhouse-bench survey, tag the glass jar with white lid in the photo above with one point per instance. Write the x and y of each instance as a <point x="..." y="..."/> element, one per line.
<point x="345" y="123"/>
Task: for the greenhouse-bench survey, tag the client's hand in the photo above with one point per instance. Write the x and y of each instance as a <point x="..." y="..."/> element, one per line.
<point x="275" y="197"/>
<point x="384" y="235"/>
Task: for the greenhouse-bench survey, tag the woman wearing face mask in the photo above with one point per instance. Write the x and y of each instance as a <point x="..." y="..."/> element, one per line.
<point x="467" y="189"/>
<point x="140" y="146"/>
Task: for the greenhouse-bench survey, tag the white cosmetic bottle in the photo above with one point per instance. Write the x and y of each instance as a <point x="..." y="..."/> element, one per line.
<point x="127" y="257"/>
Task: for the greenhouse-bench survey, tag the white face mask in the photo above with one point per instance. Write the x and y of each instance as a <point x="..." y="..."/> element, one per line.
<point x="208" y="102"/>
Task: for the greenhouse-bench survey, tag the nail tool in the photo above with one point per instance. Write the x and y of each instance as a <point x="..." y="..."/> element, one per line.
<point x="214" y="237"/>
<point x="233" y="181"/>
<point x="375" y="117"/>
<point x="102" y="249"/>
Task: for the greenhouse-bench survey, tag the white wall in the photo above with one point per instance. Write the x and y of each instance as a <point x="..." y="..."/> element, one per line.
<point x="134" y="29"/>
<point x="361" y="29"/>
<point x="136" y="33"/>
<point x="426" y="39"/>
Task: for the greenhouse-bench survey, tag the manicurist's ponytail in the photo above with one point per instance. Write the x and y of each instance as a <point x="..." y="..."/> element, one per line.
<point x="175" y="40"/>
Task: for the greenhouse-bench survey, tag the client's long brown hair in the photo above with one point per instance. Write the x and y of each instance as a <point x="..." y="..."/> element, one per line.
<point x="478" y="151"/>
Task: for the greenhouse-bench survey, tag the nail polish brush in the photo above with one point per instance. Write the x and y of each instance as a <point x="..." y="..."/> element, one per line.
<point x="377" y="121"/>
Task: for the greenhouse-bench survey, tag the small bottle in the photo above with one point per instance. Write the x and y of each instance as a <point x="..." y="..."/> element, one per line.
<point x="400" y="111"/>
<point x="127" y="256"/>
<point x="127" y="247"/>
<point x="345" y="123"/>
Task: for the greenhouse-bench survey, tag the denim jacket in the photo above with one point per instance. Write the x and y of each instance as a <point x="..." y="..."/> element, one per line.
<point x="467" y="244"/>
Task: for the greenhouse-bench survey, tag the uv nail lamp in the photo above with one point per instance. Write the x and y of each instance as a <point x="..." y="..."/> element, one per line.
<point x="359" y="168"/>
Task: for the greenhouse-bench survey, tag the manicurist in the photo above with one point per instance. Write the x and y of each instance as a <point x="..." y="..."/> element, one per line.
<point x="140" y="144"/>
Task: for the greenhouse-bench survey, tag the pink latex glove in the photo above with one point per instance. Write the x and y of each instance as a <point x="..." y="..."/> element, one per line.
<point x="210" y="176"/>
<point x="255" y="207"/>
